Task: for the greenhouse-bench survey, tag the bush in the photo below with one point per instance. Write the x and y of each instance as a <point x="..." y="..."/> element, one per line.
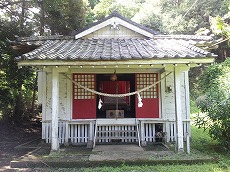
<point x="215" y="102"/>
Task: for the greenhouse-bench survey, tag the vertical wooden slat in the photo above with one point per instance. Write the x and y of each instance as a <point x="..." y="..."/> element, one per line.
<point x="82" y="134"/>
<point x="66" y="133"/>
<point x="85" y="133"/>
<point x="167" y="129"/>
<point x="147" y="132"/>
<point x="142" y="131"/>
<point x="154" y="132"/>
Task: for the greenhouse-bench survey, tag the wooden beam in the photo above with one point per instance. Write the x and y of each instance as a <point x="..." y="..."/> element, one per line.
<point x="55" y="110"/>
<point x="116" y="62"/>
<point x="178" y="111"/>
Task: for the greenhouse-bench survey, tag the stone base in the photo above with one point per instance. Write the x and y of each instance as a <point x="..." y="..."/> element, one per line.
<point x="143" y="143"/>
<point x="90" y="144"/>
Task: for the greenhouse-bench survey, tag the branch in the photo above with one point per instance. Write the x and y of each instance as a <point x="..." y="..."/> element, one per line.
<point x="10" y="3"/>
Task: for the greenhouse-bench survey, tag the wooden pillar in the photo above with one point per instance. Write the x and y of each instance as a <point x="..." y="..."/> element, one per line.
<point x="143" y="142"/>
<point x="91" y="132"/>
<point x="178" y="111"/>
<point x="55" y="109"/>
<point x="66" y="143"/>
<point x="188" y="132"/>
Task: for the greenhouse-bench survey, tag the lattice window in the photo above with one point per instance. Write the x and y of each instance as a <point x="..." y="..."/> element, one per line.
<point x="86" y="80"/>
<point x="144" y="80"/>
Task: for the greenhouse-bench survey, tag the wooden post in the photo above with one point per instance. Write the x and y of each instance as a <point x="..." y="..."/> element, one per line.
<point x="188" y="132"/>
<point x="91" y="132"/>
<point x="188" y="142"/>
<point x="66" y="143"/>
<point x="178" y="110"/>
<point x="55" y="109"/>
<point x="143" y="142"/>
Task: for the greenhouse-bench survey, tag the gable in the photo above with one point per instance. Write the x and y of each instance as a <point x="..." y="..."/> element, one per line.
<point x="120" y="32"/>
<point x="117" y="25"/>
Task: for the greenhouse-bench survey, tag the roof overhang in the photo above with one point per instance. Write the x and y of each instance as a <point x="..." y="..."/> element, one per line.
<point x="130" y="63"/>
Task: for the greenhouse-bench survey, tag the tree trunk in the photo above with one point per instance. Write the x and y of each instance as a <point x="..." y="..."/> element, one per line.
<point x="34" y="95"/>
<point x="18" y="108"/>
<point x="42" y="18"/>
<point x="22" y="20"/>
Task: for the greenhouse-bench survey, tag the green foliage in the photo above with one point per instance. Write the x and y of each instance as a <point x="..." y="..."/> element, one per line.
<point x="106" y="7"/>
<point x="182" y="16"/>
<point x="215" y="102"/>
<point x="64" y="16"/>
<point x="193" y="107"/>
<point x="149" y="17"/>
<point x="221" y="28"/>
<point x="15" y="84"/>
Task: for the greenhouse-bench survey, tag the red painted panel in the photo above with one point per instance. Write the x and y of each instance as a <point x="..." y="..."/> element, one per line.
<point x="84" y="109"/>
<point x="110" y="87"/>
<point x="150" y="100"/>
<point x="150" y="108"/>
<point x="84" y="103"/>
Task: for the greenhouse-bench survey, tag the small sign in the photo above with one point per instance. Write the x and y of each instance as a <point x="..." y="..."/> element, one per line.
<point x="114" y="113"/>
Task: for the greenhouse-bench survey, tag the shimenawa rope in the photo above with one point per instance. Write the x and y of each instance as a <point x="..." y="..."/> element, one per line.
<point x="116" y="95"/>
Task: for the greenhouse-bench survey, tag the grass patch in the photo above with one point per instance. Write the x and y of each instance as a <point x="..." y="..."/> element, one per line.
<point x="201" y="146"/>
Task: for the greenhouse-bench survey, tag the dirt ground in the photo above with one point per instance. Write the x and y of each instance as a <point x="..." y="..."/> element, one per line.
<point x="11" y="136"/>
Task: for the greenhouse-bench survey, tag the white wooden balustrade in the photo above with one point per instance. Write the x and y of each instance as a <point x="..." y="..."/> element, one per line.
<point x="103" y="130"/>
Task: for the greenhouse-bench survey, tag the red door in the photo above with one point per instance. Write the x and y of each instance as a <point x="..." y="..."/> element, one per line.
<point x="84" y="102"/>
<point x="150" y="97"/>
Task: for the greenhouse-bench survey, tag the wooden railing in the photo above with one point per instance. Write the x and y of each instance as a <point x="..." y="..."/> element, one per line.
<point x="82" y="131"/>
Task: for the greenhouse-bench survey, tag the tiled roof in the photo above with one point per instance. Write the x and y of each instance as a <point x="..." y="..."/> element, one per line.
<point x="115" y="49"/>
<point x="199" y="41"/>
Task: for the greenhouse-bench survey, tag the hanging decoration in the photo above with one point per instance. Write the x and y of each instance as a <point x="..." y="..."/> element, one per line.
<point x="113" y="77"/>
<point x="100" y="103"/>
<point x="140" y="104"/>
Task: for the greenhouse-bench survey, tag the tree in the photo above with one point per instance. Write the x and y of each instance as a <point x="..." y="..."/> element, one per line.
<point x="106" y="7"/>
<point x="64" y="16"/>
<point x="26" y="18"/>
<point x="15" y="84"/>
<point x="149" y="17"/>
<point x="222" y="30"/>
<point x="215" y="102"/>
<point x="179" y="16"/>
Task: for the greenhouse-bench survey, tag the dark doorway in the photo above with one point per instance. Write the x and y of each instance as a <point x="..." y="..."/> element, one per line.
<point x="124" y="105"/>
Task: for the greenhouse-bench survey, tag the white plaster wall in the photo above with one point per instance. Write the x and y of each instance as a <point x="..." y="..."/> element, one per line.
<point x="168" y="99"/>
<point x="63" y="98"/>
<point x="107" y="32"/>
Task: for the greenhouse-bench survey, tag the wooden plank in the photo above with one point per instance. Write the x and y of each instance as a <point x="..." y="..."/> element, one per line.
<point x="147" y="132"/>
<point x="66" y="133"/>
<point x="78" y="133"/>
<point x="116" y="122"/>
